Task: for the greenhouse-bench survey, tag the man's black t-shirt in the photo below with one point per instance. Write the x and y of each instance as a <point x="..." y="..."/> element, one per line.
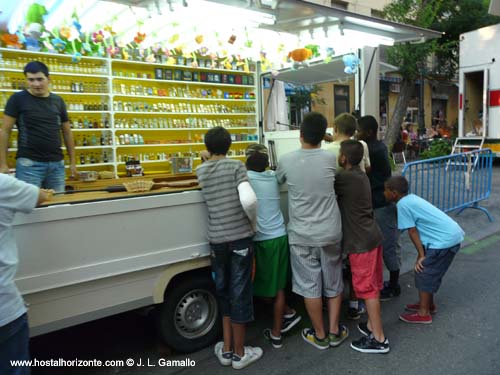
<point x="380" y="171"/>
<point x="39" y="122"/>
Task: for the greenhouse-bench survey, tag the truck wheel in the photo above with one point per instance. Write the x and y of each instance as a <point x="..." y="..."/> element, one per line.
<point x="188" y="319"/>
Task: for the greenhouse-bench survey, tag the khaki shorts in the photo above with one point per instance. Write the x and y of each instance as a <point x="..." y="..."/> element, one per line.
<point x="316" y="271"/>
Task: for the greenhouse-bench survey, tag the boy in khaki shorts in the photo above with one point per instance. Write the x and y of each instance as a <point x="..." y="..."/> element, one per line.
<point x="314" y="231"/>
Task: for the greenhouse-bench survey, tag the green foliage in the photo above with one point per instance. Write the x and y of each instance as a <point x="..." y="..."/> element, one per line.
<point x="304" y="96"/>
<point x="437" y="148"/>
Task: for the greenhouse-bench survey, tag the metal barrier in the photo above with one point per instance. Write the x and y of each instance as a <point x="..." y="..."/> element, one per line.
<point x="453" y="182"/>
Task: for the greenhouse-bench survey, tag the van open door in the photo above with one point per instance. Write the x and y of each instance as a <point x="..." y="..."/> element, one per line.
<point x="473" y="103"/>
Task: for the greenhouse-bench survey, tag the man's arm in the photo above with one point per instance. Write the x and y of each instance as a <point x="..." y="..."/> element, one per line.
<point x="8" y="124"/>
<point x="415" y="238"/>
<point x="70" y="147"/>
<point x="43" y="196"/>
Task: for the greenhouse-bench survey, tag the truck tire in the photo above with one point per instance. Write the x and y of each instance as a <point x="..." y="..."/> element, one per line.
<point x="188" y="319"/>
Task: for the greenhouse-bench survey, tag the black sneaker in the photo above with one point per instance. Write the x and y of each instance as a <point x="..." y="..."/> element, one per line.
<point x="363" y="328"/>
<point x="353" y="313"/>
<point x="276" y="342"/>
<point x="389" y="291"/>
<point x="370" y="345"/>
<point x="290" y="321"/>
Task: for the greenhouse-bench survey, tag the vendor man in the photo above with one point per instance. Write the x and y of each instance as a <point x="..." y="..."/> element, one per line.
<point x="40" y="116"/>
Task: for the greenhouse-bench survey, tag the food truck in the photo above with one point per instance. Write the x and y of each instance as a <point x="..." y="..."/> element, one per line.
<point x="87" y="255"/>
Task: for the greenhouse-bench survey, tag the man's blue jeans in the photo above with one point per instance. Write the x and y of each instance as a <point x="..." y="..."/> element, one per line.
<point x="44" y="174"/>
<point x="14" y="345"/>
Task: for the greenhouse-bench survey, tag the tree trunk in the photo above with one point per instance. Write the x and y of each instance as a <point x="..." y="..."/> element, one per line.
<point x="399" y="113"/>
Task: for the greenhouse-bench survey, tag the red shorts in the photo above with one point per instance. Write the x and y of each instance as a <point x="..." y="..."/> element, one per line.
<point x="367" y="273"/>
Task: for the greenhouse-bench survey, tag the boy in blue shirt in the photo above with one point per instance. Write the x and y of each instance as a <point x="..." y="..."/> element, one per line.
<point x="271" y="244"/>
<point x="437" y="239"/>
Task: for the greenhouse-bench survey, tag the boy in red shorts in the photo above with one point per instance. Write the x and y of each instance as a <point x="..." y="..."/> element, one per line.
<point x="362" y="241"/>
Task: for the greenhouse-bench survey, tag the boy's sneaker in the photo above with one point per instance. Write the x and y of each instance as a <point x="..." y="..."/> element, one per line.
<point x="353" y="313"/>
<point x="415" y="318"/>
<point x="252" y="354"/>
<point x="225" y="358"/>
<point x="337" y="339"/>
<point x="309" y="336"/>
<point x="363" y="328"/>
<point x="368" y="344"/>
<point x="276" y="342"/>
<point x="416" y="306"/>
<point x="290" y="321"/>
<point x="389" y="291"/>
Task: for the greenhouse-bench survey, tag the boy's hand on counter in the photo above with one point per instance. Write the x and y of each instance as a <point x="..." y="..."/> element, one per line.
<point x="49" y="193"/>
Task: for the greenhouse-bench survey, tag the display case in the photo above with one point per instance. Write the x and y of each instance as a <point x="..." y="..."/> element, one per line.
<point x="129" y="110"/>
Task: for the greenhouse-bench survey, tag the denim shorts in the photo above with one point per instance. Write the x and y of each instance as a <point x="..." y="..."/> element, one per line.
<point x="232" y="267"/>
<point x="14" y="345"/>
<point x="44" y="174"/>
<point x="436" y="263"/>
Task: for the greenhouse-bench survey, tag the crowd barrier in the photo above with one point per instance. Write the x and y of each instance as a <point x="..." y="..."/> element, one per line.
<point x="453" y="182"/>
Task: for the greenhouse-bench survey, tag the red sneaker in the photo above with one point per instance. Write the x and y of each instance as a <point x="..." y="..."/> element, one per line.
<point x="415" y="318"/>
<point x="414" y="307"/>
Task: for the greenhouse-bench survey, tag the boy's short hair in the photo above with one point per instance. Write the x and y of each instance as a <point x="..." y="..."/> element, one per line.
<point x="398" y="184"/>
<point x="368" y="124"/>
<point x="345" y="123"/>
<point x="352" y="150"/>
<point x="255" y="147"/>
<point x="313" y="128"/>
<point x="218" y="141"/>
<point x="36" y="67"/>
<point x="257" y="161"/>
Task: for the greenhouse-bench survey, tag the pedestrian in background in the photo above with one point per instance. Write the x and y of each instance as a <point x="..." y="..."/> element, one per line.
<point x="437" y="238"/>
<point x="40" y="117"/>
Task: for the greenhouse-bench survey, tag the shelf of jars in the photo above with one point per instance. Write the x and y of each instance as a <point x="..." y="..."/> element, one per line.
<point x="128" y="110"/>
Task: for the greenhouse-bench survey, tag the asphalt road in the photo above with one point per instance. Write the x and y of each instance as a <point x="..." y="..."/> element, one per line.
<point x="463" y="339"/>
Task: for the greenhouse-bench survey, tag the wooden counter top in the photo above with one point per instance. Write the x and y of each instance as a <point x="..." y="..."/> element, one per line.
<point x="80" y="197"/>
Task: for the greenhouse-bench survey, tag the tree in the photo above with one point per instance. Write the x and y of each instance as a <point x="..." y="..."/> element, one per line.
<point x="448" y="16"/>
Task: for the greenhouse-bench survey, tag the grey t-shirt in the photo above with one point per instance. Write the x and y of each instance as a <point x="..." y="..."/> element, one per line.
<point x="219" y="180"/>
<point x="312" y="205"/>
<point x="15" y="196"/>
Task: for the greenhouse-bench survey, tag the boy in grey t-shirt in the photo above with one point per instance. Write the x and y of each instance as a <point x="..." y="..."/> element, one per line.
<point x="315" y="231"/>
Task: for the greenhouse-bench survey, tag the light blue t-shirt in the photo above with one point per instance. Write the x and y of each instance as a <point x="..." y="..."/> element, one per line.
<point x="15" y="196"/>
<point x="270" y="222"/>
<point x="436" y="229"/>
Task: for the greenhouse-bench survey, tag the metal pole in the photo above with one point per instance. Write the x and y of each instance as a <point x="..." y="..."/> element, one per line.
<point x="421" y="118"/>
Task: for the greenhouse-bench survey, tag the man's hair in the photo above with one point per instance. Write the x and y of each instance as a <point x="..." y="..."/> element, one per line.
<point x="257" y="161"/>
<point x="218" y="141"/>
<point x="36" y="67"/>
<point x="352" y="150"/>
<point x="345" y="123"/>
<point x="397" y="183"/>
<point x="313" y="128"/>
<point x="368" y="124"/>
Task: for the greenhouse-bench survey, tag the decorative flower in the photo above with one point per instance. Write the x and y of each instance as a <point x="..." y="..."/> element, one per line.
<point x="59" y="44"/>
<point x="11" y="40"/>
<point x="77" y="56"/>
<point x="139" y="38"/>
<point x="86" y="47"/>
<point x="203" y="51"/>
<point x="109" y="29"/>
<point x="77" y="25"/>
<point x="199" y="39"/>
<point x="112" y="51"/>
<point x="32" y="44"/>
<point x="98" y="37"/>
<point x="65" y="32"/>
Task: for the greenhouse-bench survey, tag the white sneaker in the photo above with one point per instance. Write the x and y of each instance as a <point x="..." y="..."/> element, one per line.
<point x="226" y="358"/>
<point x="252" y="354"/>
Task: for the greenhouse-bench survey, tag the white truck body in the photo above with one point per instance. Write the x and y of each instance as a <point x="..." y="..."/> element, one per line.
<point x="83" y="261"/>
<point x="479" y="81"/>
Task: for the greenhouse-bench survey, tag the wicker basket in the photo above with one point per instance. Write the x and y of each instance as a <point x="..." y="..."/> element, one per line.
<point x="138" y="186"/>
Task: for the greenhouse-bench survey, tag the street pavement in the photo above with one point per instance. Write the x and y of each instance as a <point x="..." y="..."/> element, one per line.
<point x="463" y="339"/>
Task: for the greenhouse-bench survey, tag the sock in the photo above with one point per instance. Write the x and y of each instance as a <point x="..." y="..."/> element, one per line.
<point x="353" y="304"/>
<point x="394" y="278"/>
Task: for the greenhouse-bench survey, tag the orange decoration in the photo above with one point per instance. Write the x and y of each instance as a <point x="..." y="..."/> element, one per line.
<point x="300" y="54"/>
<point x="139" y="38"/>
<point x="11" y="40"/>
